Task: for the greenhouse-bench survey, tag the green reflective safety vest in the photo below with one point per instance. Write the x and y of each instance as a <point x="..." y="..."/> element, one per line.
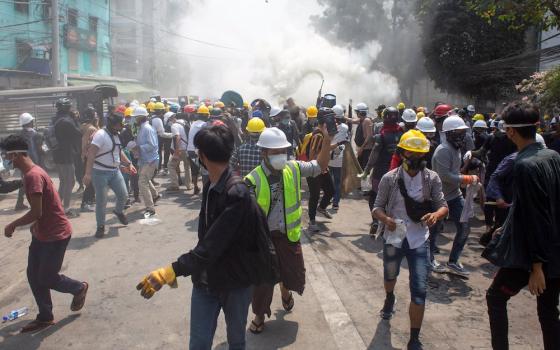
<point x="291" y="178"/>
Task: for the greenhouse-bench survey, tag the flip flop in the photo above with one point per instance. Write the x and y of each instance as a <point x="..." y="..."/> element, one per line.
<point x="256" y="328"/>
<point x="288" y="304"/>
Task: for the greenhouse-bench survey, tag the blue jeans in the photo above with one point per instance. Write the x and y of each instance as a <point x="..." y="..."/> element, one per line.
<point x="463" y="230"/>
<point x="336" y="174"/>
<point x="205" y="309"/>
<point x="418" y="267"/>
<point x="102" y="180"/>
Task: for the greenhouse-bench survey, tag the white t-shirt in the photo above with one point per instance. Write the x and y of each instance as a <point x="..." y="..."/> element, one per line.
<point x="157" y="124"/>
<point x="195" y="128"/>
<point x="102" y="139"/>
<point x="179" y="129"/>
<point x="337" y="155"/>
<point x="416" y="232"/>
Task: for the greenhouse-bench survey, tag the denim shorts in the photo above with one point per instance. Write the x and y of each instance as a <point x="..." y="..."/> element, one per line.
<point x="418" y="266"/>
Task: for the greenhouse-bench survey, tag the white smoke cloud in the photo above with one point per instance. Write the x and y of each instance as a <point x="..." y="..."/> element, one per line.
<point x="279" y="56"/>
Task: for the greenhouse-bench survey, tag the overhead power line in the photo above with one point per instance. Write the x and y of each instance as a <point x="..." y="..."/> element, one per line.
<point x="22" y="24"/>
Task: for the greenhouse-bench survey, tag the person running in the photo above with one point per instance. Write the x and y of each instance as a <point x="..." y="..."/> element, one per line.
<point x="446" y="162"/>
<point x="410" y="195"/>
<point x="277" y="187"/>
<point x="51" y="232"/>
<point x="322" y="182"/>
<point x="90" y="125"/>
<point x="179" y="147"/>
<point x="34" y="143"/>
<point x="147" y="148"/>
<point x="247" y="157"/>
<point x="221" y="252"/>
<point x="68" y="136"/>
<point x="527" y="248"/>
<point x="104" y="159"/>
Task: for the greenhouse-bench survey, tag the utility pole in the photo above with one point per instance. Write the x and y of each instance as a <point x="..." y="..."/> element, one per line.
<point x="55" y="47"/>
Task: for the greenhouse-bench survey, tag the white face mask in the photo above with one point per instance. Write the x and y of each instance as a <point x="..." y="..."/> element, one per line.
<point x="278" y="161"/>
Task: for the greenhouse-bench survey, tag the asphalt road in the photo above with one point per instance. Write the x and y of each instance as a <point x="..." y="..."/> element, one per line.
<point x="338" y="310"/>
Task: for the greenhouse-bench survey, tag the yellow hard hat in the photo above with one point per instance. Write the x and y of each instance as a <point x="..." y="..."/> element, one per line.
<point x="312" y="112"/>
<point x="159" y="106"/>
<point x="478" y="117"/>
<point x="546" y="117"/>
<point x="420" y="110"/>
<point x="203" y="110"/>
<point x="420" y="114"/>
<point x="255" y="125"/>
<point x="143" y="105"/>
<point x="414" y="141"/>
<point x="151" y="106"/>
<point x="219" y="104"/>
<point x="128" y="112"/>
<point x="401" y="105"/>
<point x="246" y="105"/>
<point x="211" y="108"/>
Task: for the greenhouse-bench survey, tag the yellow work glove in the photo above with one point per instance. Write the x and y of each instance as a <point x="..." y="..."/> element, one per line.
<point x="155" y="280"/>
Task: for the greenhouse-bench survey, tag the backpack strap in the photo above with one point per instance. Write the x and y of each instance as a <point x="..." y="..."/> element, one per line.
<point x="108" y="152"/>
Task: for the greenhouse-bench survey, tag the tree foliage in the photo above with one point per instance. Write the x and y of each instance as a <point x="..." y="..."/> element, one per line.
<point x="456" y="39"/>
<point x="519" y="14"/>
<point x="542" y="88"/>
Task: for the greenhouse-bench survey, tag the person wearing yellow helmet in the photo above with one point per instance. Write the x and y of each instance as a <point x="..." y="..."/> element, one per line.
<point x="477" y="117"/>
<point x="248" y="156"/>
<point x="150" y="106"/>
<point x="203" y="110"/>
<point x="409" y="201"/>
<point x="401" y="107"/>
<point x="128" y="112"/>
<point x="219" y="104"/>
<point x="159" y="108"/>
<point x="311" y="122"/>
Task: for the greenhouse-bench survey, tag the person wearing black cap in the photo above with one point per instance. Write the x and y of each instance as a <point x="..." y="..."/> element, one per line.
<point x="527" y="246"/>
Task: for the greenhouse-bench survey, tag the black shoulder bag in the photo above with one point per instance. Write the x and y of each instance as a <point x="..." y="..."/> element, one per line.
<point x="415" y="210"/>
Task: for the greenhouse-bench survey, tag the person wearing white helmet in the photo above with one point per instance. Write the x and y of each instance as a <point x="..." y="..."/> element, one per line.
<point x="34" y="143"/>
<point x="409" y="118"/>
<point x="363" y="134"/>
<point x="480" y="133"/>
<point x="340" y="141"/>
<point x="277" y="187"/>
<point x="428" y="128"/>
<point x="447" y="163"/>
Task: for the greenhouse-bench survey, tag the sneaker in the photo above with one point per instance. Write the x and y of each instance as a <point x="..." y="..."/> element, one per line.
<point x="122" y="218"/>
<point x="437" y="267"/>
<point x="388" y="308"/>
<point x="313" y="227"/>
<point x="100" y="232"/>
<point x="71" y="214"/>
<point x="128" y="203"/>
<point x="457" y="269"/>
<point x="414" y="344"/>
<point x="324" y="212"/>
<point x="149" y="213"/>
<point x="335" y="207"/>
<point x="87" y="208"/>
<point x="79" y="299"/>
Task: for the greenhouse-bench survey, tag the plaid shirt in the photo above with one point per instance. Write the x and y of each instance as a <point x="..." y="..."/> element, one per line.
<point x="245" y="158"/>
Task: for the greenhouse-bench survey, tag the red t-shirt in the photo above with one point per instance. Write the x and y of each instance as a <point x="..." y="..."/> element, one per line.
<point x="53" y="224"/>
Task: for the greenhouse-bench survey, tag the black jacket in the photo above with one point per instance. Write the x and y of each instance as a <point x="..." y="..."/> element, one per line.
<point x="219" y="260"/>
<point x="69" y="138"/>
<point x="534" y="218"/>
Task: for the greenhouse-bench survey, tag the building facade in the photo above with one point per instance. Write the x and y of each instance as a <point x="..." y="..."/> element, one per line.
<point x="26" y="39"/>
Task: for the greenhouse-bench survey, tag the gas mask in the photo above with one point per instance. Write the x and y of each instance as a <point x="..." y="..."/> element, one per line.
<point x="456" y="139"/>
<point x="414" y="164"/>
<point x="278" y="161"/>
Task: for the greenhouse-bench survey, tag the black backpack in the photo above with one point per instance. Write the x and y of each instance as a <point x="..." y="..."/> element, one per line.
<point x="261" y="251"/>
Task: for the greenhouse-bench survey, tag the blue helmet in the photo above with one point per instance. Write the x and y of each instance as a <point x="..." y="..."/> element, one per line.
<point x="174" y="108"/>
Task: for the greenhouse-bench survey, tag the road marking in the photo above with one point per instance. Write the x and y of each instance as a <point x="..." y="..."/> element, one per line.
<point x="341" y="325"/>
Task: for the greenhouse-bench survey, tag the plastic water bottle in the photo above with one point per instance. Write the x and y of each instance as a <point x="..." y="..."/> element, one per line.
<point x="14" y="314"/>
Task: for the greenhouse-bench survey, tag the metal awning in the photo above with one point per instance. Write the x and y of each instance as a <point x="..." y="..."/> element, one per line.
<point x="127" y="88"/>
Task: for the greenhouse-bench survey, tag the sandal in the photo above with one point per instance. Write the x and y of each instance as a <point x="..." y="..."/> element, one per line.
<point x="288" y="304"/>
<point x="256" y="328"/>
